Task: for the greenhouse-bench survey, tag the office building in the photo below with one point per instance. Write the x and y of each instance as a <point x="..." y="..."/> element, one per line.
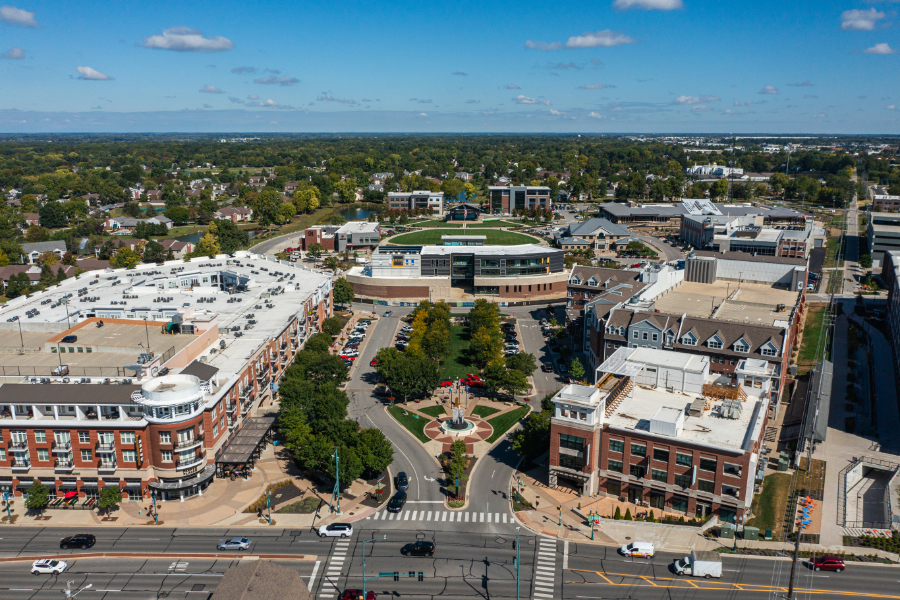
<point x="418" y="200"/>
<point x="506" y="200"/>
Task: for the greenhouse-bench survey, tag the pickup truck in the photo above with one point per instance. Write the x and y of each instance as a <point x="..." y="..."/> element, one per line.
<point x="700" y="564"/>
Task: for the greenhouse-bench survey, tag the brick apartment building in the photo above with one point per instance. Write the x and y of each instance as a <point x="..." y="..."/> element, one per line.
<point x="505" y="200"/>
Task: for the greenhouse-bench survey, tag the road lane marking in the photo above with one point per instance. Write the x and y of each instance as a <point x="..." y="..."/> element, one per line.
<point x="445" y="513"/>
<point x="413" y="517"/>
<point x="312" y="577"/>
<point x="566" y="555"/>
<point x="481" y="517"/>
<point x="398" y="448"/>
<point x="467" y="517"/>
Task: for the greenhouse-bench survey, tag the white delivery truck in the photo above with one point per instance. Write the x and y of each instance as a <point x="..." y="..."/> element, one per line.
<point x="700" y="564"/>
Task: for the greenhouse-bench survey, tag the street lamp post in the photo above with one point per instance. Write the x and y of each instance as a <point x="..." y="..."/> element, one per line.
<point x="155" y="510"/>
<point x="364" y="561"/>
<point x="269" y="506"/>
<point x="560" y="515"/>
<point x="69" y="585"/>
<point x="517" y="563"/>
<point x="6" y="499"/>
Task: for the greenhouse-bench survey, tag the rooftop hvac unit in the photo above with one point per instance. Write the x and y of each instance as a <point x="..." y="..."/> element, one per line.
<point x="731" y="409"/>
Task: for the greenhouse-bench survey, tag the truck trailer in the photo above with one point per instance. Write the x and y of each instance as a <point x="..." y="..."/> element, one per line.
<point x="700" y="564"/>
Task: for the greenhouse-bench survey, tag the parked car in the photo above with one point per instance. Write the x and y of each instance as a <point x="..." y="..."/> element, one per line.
<point x="418" y="549"/>
<point x="402" y="481"/>
<point x="396" y="503"/>
<point x="446" y="383"/>
<point x="374" y="362"/>
<point x="546" y="367"/>
<point x="828" y="563"/>
<point x="342" y="530"/>
<point x="358" y="594"/>
<point x="79" y="540"/>
<point x="69" y="339"/>
<point x="406" y="328"/>
<point x="235" y="543"/>
<point x="348" y="362"/>
<point x="48" y="566"/>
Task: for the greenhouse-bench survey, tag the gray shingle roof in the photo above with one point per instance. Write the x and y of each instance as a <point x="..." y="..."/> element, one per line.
<point x="44" y="247"/>
<point x="591" y="226"/>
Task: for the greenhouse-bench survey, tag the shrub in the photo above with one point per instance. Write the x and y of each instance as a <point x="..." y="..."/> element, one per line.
<point x="456" y="503"/>
<point x="628" y="514"/>
<point x="652" y="518"/>
<point x="261" y="502"/>
<point x="618" y="516"/>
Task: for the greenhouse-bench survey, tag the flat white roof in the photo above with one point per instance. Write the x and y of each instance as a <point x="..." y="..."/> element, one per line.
<point x="579" y="394"/>
<point x="664" y="358"/>
<point x="358" y="227"/>
<point x="492" y="250"/>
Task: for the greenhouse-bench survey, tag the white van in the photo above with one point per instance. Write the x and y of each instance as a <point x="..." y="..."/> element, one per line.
<point x="638" y="549"/>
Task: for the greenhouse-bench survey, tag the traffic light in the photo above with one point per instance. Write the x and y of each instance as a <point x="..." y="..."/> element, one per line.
<point x="421" y="576"/>
<point x="412" y="573"/>
<point x="396" y="576"/>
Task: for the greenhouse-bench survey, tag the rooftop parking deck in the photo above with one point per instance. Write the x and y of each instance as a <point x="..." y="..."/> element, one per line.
<point x="754" y="303"/>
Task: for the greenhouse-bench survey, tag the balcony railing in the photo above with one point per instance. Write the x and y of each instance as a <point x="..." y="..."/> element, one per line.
<point x="64" y="465"/>
<point x="730" y="492"/>
<point x="15" y="446"/>
<point x="190" y="462"/>
<point x="107" y="465"/>
<point x="185" y="444"/>
<point x="231" y="407"/>
<point x="21" y="464"/>
<point x="104" y="447"/>
<point x="62" y="446"/>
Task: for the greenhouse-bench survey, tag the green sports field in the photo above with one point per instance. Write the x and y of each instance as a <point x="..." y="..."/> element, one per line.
<point x="432" y="237"/>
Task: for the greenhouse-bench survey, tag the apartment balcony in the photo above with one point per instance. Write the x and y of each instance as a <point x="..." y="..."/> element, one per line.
<point x="62" y="446"/>
<point x="21" y="464"/>
<point x="181" y="445"/>
<point x="15" y="446"/>
<point x="64" y="465"/>
<point x="107" y="466"/>
<point x="231" y="407"/>
<point x="102" y="447"/>
<point x="190" y="462"/>
<point x="262" y="374"/>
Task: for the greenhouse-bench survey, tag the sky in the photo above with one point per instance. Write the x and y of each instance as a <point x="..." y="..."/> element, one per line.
<point x="606" y="66"/>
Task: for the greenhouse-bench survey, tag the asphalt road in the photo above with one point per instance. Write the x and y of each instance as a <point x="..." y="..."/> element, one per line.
<point x="669" y="251"/>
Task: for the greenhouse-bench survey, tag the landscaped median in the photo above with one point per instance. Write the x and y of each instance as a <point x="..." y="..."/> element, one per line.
<point x="503" y="423"/>
<point x="413" y="422"/>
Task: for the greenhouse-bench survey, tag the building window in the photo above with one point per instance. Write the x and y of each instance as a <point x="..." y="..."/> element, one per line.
<point x="661" y="455"/>
<point x="638" y="450"/>
<point x="769" y="351"/>
<point x="732" y="470"/>
<point x="2" y="454"/>
<point x="571" y="462"/>
<point x="129" y="456"/>
<point x="740" y="346"/>
<point x="127" y="437"/>
<point x="616" y="446"/>
<point x="660" y="475"/>
<point x="636" y="471"/>
<point x="655" y="337"/>
<point x="86" y="456"/>
<point x="43" y="454"/>
<point x="679" y="503"/>
<point x="684" y="460"/>
<point x="571" y="442"/>
<point x="166" y="455"/>
<point x="706" y="486"/>
<point x="688" y="341"/>
<point x="635" y="336"/>
<point x="615" y="466"/>
<point x="215" y="429"/>
<point x="683" y="480"/>
<point x="165" y="437"/>
<point x="708" y="464"/>
<point x="40" y="436"/>
<point x="715" y="344"/>
<point x="84" y="437"/>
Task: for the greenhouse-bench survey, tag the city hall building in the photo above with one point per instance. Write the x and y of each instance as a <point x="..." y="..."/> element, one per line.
<point x="410" y="273"/>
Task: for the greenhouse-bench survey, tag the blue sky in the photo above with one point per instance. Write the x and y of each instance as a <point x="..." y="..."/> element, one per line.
<point x="592" y="67"/>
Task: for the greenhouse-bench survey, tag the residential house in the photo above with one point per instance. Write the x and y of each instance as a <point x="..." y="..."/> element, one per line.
<point x="34" y="251"/>
<point x="31" y="219"/>
<point x="179" y="249"/>
<point x="235" y="214"/>
<point x="127" y="223"/>
<point x="598" y="233"/>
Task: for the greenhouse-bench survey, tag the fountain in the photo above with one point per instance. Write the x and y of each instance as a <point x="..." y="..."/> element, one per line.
<point x="457" y="425"/>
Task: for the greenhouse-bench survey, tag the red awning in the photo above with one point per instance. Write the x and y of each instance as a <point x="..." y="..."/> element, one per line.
<point x="70" y="495"/>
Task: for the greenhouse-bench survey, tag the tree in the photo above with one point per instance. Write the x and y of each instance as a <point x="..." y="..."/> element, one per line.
<point x="107" y="250"/>
<point x="4" y="259"/>
<point x="343" y="292"/>
<point x="332" y="326"/>
<point x="719" y="189"/>
<point x="523" y="362"/>
<point x="484" y="347"/>
<point x="351" y="466"/>
<point x="53" y="215"/>
<point x="179" y="214"/>
<point x="125" y="258"/>
<point x="48" y="258"/>
<point x="618" y="515"/>
<point x="154" y="252"/>
<point x="306" y="200"/>
<point x="60" y="275"/>
<point x="628" y="514"/>
<point x="315" y="250"/>
<point x="514" y="382"/>
<point x="376" y="450"/>
<point x="208" y="245"/>
<point x="266" y="206"/>
<point x="332" y="263"/>
<point x="36" y="233"/>
<point x="286" y="212"/>
<point x="132" y="209"/>
<point x="576" y="369"/>
<point x="47" y="277"/>
<point x="67" y="259"/>
<point x="37" y="496"/>
<point x="110" y="496"/>
<point x="865" y="261"/>
<point x="493" y="378"/>
<point x="231" y="237"/>
<point x="527" y="440"/>
<point x="346" y="190"/>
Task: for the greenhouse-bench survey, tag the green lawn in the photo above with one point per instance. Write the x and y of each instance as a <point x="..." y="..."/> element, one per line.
<point x="469" y="225"/>
<point x="433" y="237"/>
<point x="415" y="425"/>
<point x="484" y="411"/>
<point x="434" y="411"/>
<point x="456" y="364"/>
<point x="812" y="331"/>
<point x="502" y="423"/>
<point x="769" y="505"/>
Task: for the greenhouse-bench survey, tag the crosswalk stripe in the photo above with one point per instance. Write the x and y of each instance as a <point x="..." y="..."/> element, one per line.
<point x="544" y="577"/>
<point x="536" y="595"/>
<point x="504" y="517"/>
<point x="489" y="518"/>
<point x="467" y="517"/>
<point x="547" y="569"/>
<point x="390" y="516"/>
<point x="428" y="518"/>
<point x="413" y="517"/>
<point x="496" y="517"/>
<point x="406" y="516"/>
<point x="481" y="517"/>
<point x="543" y="587"/>
<point x="444" y="518"/>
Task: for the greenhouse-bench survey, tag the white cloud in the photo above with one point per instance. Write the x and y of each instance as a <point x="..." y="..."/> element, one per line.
<point x="696" y="99"/>
<point x="892" y="107"/>
<point x="702" y="108"/>
<point x="423" y="115"/>
<point x="270" y="104"/>
<point x="186" y="39"/>
<point x="512" y="86"/>
<point x="13" y="54"/>
<point x="768" y="90"/>
<point x="647" y="4"/>
<point x="601" y="39"/>
<point x="282" y="81"/>
<point x="595" y="115"/>
<point x="553" y="111"/>
<point x="819" y="116"/>
<point x="860" y="20"/>
<point x="459" y="74"/>
<point x="210" y="89"/>
<point x="236" y="100"/>
<point x="880" y="49"/>
<point x="520" y="99"/>
<point x="595" y="86"/>
<point x="90" y="74"/>
<point x="326" y="97"/>
<point x="546" y="47"/>
<point x="252" y="97"/>
<point x="16" y="16"/>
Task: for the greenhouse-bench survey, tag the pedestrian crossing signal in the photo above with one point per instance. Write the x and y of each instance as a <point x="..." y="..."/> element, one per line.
<point x="396" y="576"/>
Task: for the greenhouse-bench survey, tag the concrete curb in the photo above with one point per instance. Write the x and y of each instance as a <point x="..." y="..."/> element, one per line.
<point x="167" y="556"/>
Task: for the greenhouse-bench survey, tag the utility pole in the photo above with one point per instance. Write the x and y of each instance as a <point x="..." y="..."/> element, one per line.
<point x="517" y="563"/>
<point x="336" y="494"/>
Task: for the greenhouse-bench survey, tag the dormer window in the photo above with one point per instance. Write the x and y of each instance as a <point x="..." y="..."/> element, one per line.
<point x="689" y="340"/>
<point x="741" y="346"/>
<point x="769" y="349"/>
<point x="715" y="342"/>
<point x="622" y="331"/>
<point x="575" y="281"/>
<point x="592" y="282"/>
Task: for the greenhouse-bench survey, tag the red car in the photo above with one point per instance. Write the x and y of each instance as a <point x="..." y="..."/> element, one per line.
<point x="358" y="595"/>
<point x="345" y="358"/>
<point x="828" y="563"/>
<point x="374" y="362"/>
<point x="447" y="383"/>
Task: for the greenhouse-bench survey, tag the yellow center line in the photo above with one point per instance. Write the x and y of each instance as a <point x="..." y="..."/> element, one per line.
<point x="648" y="581"/>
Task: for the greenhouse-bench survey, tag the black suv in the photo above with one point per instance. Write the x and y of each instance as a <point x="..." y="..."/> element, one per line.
<point x="69" y="339"/>
<point x="418" y="549"/>
<point x="396" y="503"/>
<point x="80" y="540"/>
<point x="402" y="481"/>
